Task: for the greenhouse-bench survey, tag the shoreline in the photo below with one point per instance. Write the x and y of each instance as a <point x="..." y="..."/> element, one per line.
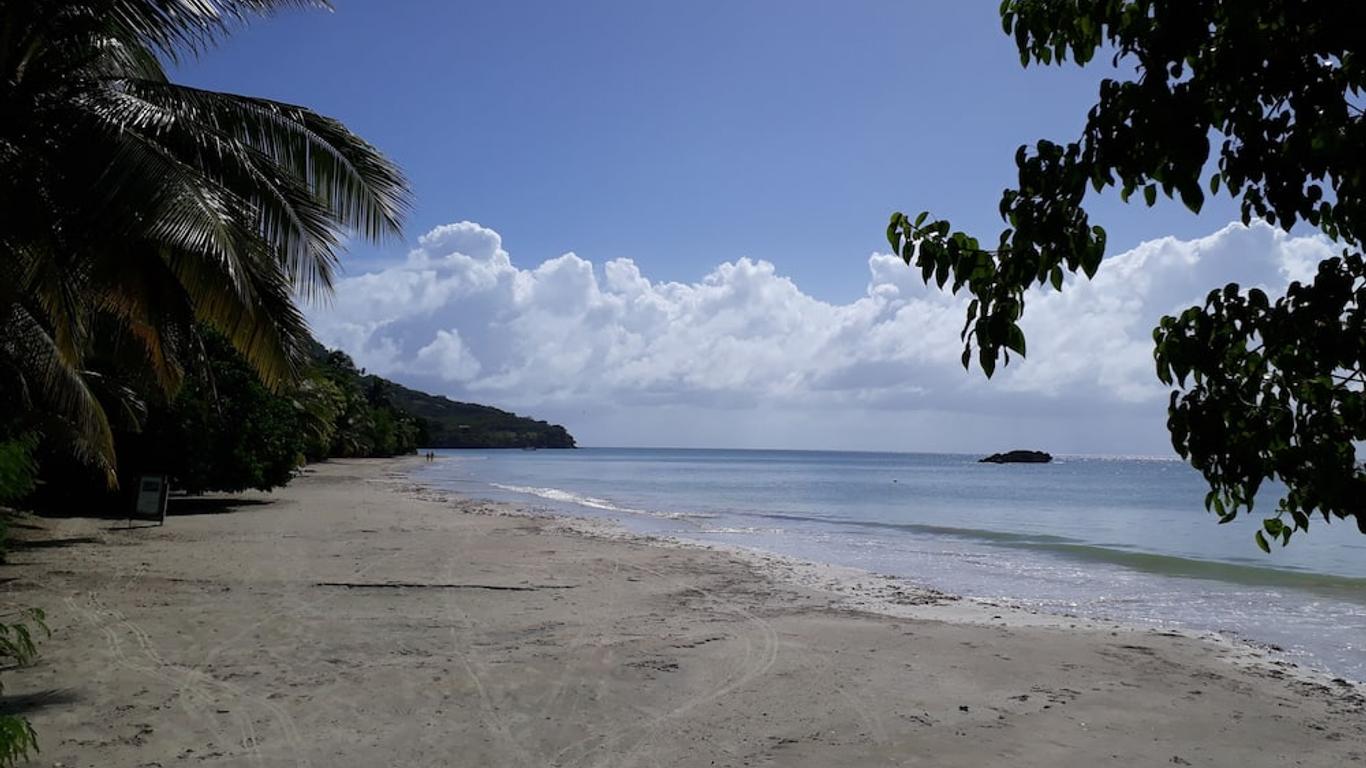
<point x="900" y="597"/>
<point x="359" y="618"/>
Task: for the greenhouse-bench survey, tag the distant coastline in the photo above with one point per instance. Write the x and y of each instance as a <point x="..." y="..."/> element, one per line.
<point x="451" y="424"/>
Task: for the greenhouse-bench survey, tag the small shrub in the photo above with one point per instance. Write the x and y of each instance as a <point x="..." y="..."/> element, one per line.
<point x="18" y="741"/>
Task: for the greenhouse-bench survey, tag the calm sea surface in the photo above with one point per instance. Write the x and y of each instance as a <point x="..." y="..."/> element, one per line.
<point x="1121" y="538"/>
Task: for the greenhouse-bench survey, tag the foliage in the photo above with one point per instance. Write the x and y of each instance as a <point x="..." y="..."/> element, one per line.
<point x="18" y="478"/>
<point x="138" y="211"/>
<point x="1265" y="390"/>
<point x="321" y="403"/>
<point x="452" y="424"/>
<point x="18" y="741"/>
<point x="224" y="430"/>
<point x="16" y="637"/>
<point x="18" y="470"/>
<point x="367" y="422"/>
<point x="138" y="214"/>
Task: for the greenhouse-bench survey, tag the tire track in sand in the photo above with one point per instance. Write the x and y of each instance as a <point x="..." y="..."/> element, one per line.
<point x="190" y="689"/>
<point x="754" y="664"/>
<point x="492" y="720"/>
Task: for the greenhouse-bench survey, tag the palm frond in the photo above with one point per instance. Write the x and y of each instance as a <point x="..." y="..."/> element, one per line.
<point x="139" y="209"/>
<point x="362" y="188"/>
<point x="43" y="275"/>
<point x="276" y="205"/>
<point x="173" y="27"/>
<point x="229" y="272"/>
<point x="264" y="325"/>
<point x="50" y="382"/>
<point x="147" y="310"/>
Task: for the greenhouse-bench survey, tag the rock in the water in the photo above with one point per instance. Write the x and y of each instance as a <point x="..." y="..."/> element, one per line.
<point x="1018" y="457"/>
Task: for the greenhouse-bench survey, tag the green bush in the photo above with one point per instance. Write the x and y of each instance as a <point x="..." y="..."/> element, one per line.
<point x="18" y="741"/>
<point x="18" y="470"/>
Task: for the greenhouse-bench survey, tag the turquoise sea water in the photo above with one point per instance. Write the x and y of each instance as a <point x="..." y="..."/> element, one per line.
<point x="1121" y="538"/>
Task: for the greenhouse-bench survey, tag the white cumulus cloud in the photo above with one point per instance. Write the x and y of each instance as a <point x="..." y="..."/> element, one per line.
<point x="448" y="357"/>
<point x="746" y="356"/>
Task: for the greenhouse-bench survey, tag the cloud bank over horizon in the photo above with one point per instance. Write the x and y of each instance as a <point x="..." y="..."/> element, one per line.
<point x="744" y="357"/>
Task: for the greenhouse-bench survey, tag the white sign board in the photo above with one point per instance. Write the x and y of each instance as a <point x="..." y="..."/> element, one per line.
<point x="151" y="499"/>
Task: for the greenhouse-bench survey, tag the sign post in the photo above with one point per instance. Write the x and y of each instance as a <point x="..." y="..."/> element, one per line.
<point x="151" y="499"/>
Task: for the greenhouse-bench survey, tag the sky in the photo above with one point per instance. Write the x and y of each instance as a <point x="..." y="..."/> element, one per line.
<point x="663" y="224"/>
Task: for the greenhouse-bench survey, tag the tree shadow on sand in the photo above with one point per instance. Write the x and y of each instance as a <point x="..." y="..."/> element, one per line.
<point x="19" y="544"/>
<point x="28" y="703"/>
<point x="178" y="506"/>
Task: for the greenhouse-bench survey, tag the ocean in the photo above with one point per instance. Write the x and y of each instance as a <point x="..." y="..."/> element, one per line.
<point x="1120" y="538"/>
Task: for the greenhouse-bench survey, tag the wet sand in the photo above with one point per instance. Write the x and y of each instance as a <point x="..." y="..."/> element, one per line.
<point x="352" y="619"/>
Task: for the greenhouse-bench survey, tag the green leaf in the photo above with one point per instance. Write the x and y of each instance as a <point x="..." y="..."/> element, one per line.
<point x="1261" y="543"/>
<point x="1192" y="196"/>
<point x="1263" y="391"/>
<point x="987" y="359"/>
<point x="1301" y="519"/>
<point x="1090" y="261"/>
<point x="1015" y="340"/>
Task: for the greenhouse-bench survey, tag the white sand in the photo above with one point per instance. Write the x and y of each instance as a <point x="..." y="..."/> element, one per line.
<point x="467" y="637"/>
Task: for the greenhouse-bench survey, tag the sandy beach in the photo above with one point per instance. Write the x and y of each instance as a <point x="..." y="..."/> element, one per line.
<point x="352" y="619"/>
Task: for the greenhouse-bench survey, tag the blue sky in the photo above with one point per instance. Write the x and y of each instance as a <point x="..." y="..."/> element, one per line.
<point x="749" y="152"/>
<point x="677" y="133"/>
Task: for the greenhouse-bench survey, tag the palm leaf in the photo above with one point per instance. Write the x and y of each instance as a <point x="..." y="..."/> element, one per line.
<point x="140" y="208"/>
<point x="48" y="382"/>
<point x="362" y="189"/>
<point x="174" y="27"/>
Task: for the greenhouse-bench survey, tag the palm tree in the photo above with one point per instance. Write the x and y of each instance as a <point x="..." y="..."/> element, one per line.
<point x="135" y="209"/>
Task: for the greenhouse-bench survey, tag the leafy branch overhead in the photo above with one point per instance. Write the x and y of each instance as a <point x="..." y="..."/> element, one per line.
<point x="1271" y="91"/>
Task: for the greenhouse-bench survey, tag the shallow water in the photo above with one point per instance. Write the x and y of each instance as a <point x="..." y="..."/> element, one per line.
<point x="1121" y="538"/>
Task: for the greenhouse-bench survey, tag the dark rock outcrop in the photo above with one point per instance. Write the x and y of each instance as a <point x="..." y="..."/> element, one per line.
<point x="1018" y="457"/>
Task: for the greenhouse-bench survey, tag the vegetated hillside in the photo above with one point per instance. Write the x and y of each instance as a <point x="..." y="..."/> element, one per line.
<point x="451" y="424"/>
